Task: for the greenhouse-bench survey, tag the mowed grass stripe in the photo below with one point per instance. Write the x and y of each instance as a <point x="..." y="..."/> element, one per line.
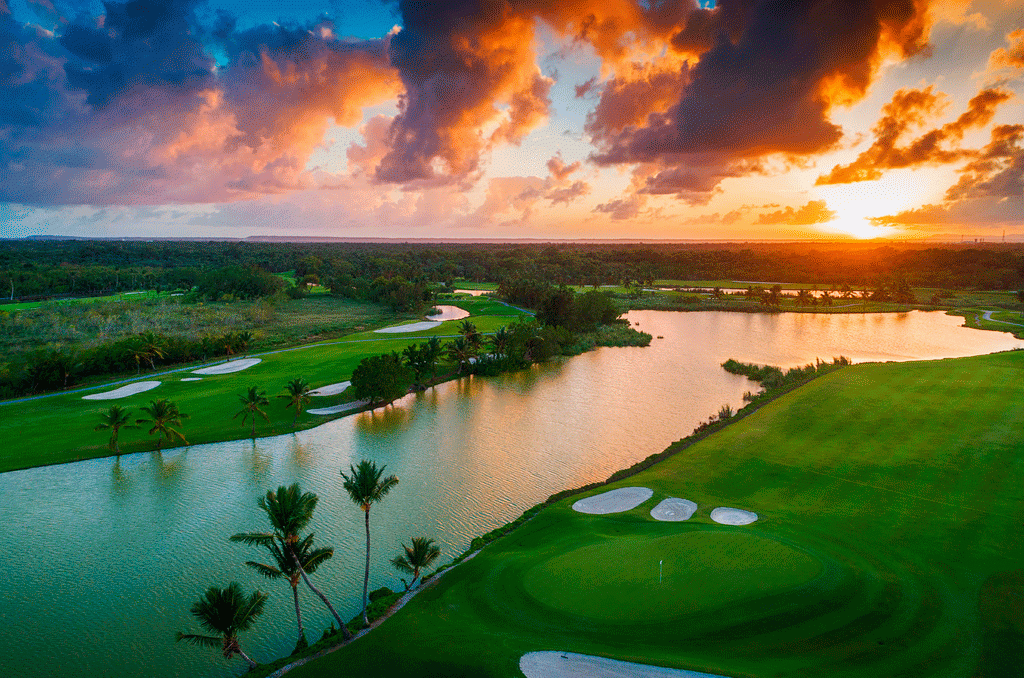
<point x="911" y="512"/>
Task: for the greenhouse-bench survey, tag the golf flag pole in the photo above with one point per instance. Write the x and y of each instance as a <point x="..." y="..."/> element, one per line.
<point x="660" y="563"/>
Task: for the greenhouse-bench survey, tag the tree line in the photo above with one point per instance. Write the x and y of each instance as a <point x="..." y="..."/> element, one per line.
<point x="56" y="267"/>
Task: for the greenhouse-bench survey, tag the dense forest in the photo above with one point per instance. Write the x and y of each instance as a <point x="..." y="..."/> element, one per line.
<point x="34" y="269"/>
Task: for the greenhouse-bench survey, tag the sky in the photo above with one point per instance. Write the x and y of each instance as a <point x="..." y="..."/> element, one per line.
<point x="561" y="119"/>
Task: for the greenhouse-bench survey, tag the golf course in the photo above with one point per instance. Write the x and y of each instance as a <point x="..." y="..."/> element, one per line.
<point x="61" y="425"/>
<point x="889" y="499"/>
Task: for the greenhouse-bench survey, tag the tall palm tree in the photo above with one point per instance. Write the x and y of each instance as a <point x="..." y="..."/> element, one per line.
<point x="244" y="340"/>
<point x="366" y="486"/>
<point x="500" y="342"/>
<point x="284" y="566"/>
<point x="116" y="418"/>
<point x="226" y="612"/>
<point x="297" y="393"/>
<point x="461" y="351"/>
<point x="290" y="510"/>
<point x="468" y="330"/>
<point x="251" y="403"/>
<point x="420" y="555"/>
<point x="164" y="416"/>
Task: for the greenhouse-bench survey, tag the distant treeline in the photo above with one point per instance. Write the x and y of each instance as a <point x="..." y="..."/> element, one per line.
<point x="37" y="268"/>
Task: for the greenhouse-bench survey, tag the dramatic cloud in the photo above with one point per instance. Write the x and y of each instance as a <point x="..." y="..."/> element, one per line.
<point x="814" y="212"/>
<point x="907" y="109"/>
<point x="132" y="109"/>
<point x="1011" y="57"/>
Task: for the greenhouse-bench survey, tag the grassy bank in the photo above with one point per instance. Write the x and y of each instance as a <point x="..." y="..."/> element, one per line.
<point x="60" y="427"/>
<point x="890" y="501"/>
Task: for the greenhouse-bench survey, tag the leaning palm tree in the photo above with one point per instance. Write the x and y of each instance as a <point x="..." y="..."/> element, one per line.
<point x="420" y="555"/>
<point x="251" y="403"/>
<point x="164" y="416"/>
<point x="367" y="486"/>
<point x="115" y="419"/>
<point x="225" y="612"/>
<point x="290" y="510"/>
<point x="285" y="567"/>
<point x="297" y="393"/>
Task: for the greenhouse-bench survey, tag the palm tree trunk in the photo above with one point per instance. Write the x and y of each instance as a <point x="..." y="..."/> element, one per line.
<point x="298" y="612"/>
<point x="246" y="657"/>
<point x="366" y="578"/>
<point x="254" y="427"/>
<point x="344" y="629"/>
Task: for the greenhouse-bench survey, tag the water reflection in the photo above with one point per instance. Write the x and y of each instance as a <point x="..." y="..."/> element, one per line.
<point x="470" y="455"/>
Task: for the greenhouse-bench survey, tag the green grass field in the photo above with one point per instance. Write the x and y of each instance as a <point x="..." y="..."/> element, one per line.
<point x="890" y="496"/>
<point x="61" y="426"/>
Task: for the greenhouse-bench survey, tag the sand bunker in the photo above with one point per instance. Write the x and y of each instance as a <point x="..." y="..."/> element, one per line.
<point x="448" y="313"/>
<point x="229" y="367"/>
<point x="337" y="409"/>
<point x="411" y="327"/>
<point x="192" y="379"/>
<point x="615" y="501"/>
<point x="732" y="516"/>
<point x="124" y="391"/>
<point x="572" y="665"/>
<point x="331" y="389"/>
<point x="674" y="510"/>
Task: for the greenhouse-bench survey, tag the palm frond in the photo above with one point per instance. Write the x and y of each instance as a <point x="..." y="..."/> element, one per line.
<point x="265" y="570"/>
<point x="254" y="538"/>
<point x="197" y="640"/>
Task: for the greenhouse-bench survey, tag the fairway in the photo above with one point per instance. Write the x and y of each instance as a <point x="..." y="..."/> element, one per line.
<point x="890" y="499"/>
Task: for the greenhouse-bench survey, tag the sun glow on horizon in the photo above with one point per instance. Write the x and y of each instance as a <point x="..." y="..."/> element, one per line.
<point x="856" y="203"/>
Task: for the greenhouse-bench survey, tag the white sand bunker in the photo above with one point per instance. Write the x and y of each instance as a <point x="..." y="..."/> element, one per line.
<point x="124" y="391"/>
<point x="674" y="509"/>
<point x="338" y="409"/>
<point x="229" y="367"/>
<point x="192" y="379"/>
<point x="615" y="501"/>
<point x="572" y="665"/>
<point x="732" y="516"/>
<point x="331" y="389"/>
<point x="411" y="327"/>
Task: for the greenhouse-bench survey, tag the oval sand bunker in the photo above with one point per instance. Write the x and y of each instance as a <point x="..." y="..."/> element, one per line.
<point x="411" y="327"/>
<point x="674" y="509"/>
<point x="124" y="391"/>
<point x="572" y="665"/>
<point x="732" y="516"/>
<point x="229" y="367"/>
<point x="615" y="501"/>
<point x="331" y="389"/>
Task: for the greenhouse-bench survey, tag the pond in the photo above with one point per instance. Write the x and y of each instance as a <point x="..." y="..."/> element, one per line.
<point x="103" y="558"/>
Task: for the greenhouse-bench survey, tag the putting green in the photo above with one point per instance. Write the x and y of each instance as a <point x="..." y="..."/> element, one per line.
<point x="617" y="579"/>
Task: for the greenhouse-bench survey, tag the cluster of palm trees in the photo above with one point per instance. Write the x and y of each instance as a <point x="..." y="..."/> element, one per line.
<point x="163" y="415"/>
<point x="253" y="400"/>
<point x="294" y="556"/>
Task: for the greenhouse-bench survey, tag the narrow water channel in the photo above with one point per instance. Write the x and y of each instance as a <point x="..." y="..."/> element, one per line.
<point x="103" y="558"/>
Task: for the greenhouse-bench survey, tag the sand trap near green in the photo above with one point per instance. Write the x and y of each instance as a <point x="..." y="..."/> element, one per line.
<point x="674" y="509"/>
<point x="572" y="665"/>
<point x="411" y="327"/>
<point x="330" y="389"/>
<point x="616" y="580"/>
<point x="338" y="409"/>
<point x="615" y="501"/>
<point x="229" y="367"/>
<point x="732" y="516"/>
<point x="124" y="391"/>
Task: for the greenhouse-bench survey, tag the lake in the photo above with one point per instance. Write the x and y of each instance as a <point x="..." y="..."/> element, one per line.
<point x="103" y="557"/>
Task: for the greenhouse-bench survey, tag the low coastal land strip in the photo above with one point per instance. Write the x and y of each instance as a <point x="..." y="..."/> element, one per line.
<point x="889" y="501"/>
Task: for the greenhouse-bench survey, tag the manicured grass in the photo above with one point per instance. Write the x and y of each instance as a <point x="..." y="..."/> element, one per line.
<point x="61" y="427"/>
<point x="890" y="497"/>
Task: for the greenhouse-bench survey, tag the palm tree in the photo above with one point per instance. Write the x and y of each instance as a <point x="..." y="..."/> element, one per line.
<point x="290" y="510"/>
<point x="461" y="351"/>
<point x="297" y="395"/>
<point x="116" y="418"/>
<point x="367" y="486"/>
<point x="226" y="612"/>
<point x="251" y="403"/>
<point x="468" y="330"/>
<point x="284" y="566"/>
<point x="244" y="340"/>
<point x="164" y="415"/>
<point x="500" y="341"/>
<point x="420" y="555"/>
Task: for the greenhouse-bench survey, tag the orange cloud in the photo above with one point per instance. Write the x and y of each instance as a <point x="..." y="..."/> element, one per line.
<point x="814" y="212"/>
<point x="909" y="108"/>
